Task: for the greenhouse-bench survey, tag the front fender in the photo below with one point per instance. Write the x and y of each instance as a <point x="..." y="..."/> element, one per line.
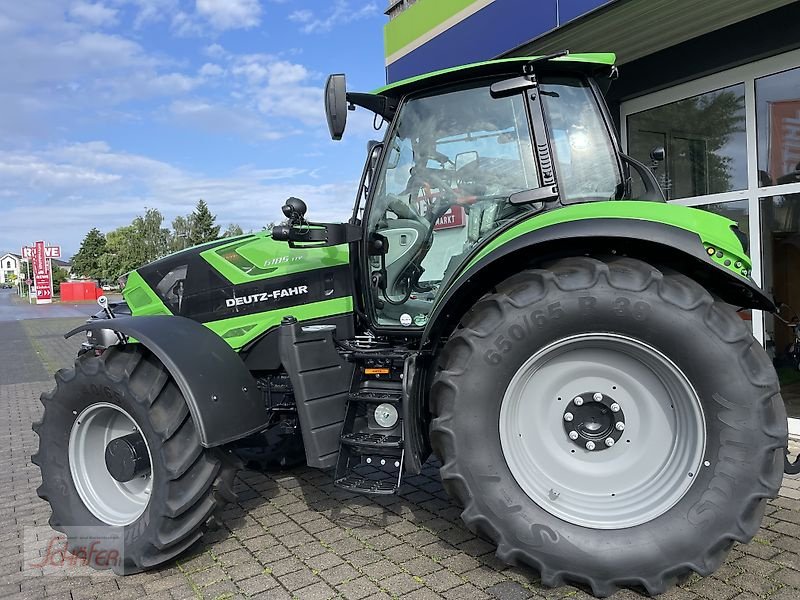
<point x="663" y="244"/>
<point x="221" y="394"/>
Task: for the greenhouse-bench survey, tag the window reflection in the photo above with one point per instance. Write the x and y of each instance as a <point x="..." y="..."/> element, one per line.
<point x="778" y="127"/>
<point x="780" y="240"/>
<point x="704" y="139"/>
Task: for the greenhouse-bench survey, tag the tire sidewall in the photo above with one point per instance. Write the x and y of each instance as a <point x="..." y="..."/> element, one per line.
<point x="507" y="333"/>
<point x="92" y="386"/>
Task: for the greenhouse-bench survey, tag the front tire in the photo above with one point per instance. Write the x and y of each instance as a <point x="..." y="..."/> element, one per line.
<point x="165" y="507"/>
<point x="545" y="370"/>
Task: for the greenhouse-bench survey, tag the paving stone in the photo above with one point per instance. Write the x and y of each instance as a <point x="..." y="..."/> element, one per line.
<point x="442" y="580"/>
<point x="358" y="588"/>
<point x="293" y="534"/>
<point x="400" y="584"/>
<point x="509" y="590"/>
<point x="466" y="592"/>
<point x="298" y="579"/>
<point x="339" y="574"/>
<point x="318" y="591"/>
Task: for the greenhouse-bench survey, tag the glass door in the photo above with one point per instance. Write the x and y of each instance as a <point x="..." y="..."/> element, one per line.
<point x="732" y="146"/>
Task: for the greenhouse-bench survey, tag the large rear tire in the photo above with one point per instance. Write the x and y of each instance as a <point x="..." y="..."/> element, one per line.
<point x="165" y="507"/>
<point x="631" y="427"/>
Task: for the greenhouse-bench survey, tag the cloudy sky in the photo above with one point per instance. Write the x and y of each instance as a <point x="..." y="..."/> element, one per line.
<point x="108" y="107"/>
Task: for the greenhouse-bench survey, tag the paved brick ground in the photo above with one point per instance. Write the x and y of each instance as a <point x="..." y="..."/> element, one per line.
<point x="292" y="535"/>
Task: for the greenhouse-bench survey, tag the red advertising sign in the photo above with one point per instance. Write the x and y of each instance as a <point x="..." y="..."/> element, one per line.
<point x="784" y="139"/>
<point x="40" y="255"/>
<point x="49" y="251"/>
<point x="41" y="274"/>
<point x="454" y="217"/>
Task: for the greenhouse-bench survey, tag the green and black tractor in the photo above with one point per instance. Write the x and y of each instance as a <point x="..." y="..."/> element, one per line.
<point x="511" y="295"/>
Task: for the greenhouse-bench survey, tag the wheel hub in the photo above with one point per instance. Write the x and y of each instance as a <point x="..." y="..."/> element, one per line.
<point x="110" y="463"/>
<point x="126" y="457"/>
<point x="594" y="421"/>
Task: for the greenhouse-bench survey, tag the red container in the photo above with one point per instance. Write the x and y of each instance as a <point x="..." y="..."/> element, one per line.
<point x="78" y="291"/>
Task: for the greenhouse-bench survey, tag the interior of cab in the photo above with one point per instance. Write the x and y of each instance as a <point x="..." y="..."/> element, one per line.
<point x="452" y="161"/>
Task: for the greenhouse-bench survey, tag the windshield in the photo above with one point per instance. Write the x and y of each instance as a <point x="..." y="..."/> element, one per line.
<point x="452" y="161"/>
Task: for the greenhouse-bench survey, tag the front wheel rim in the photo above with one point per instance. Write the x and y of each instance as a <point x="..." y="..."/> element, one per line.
<point x="653" y="457"/>
<point x="111" y="501"/>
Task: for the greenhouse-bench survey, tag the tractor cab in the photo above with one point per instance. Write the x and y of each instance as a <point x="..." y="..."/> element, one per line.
<point x="470" y="151"/>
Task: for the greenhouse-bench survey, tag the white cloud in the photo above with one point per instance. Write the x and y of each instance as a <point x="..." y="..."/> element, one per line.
<point x="301" y="16"/>
<point x="215" y="51"/>
<point x="340" y="14"/>
<point x="57" y="68"/>
<point x="211" y="70"/>
<point x="152" y="11"/>
<point x="221" y="120"/>
<point x="90" y="185"/>
<point x="94" y="14"/>
<point x="230" y="14"/>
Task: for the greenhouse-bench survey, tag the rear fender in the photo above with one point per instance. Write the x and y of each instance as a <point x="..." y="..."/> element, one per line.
<point x="221" y="394"/>
<point x="656" y="242"/>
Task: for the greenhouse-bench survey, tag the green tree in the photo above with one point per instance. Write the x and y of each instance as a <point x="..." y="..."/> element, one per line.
<point x="202" y="228"/>
<point x="59" y="277"/>
<point x="86" y="263"/>
<point x="134" y="245"/>
<point x="233" y="230"/>
<point x="122" y="254"/>
<point x="154" y="238"/>
<point x="179" y="237"/>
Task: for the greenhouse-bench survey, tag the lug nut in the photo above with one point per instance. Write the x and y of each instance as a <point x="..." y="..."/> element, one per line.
<point x="609" y="442"/>
<point x="598" y="397"/>
<point x="620" y="426"/>
<point x="573" y="435"/>
<point x="578" y="401"/>
<point x="615" y="407"/>
<point x="590" y="445"/>
<point x="568" y="417"/>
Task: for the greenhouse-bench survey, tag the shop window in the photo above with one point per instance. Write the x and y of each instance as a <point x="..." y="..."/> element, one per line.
<point x="778" y="127"/>
<point x="780" y="241"/>
<point x="704" y="142"/>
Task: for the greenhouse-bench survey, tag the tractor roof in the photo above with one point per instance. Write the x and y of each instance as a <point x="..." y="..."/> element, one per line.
<point x="589" y="62"/>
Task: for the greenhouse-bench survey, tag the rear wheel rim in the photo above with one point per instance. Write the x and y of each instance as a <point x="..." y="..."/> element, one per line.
<point x="650" y="464"/>
<point x="111" y="501"/>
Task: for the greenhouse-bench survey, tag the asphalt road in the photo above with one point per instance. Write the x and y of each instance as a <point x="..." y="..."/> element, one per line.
<point x="13" y="308"/>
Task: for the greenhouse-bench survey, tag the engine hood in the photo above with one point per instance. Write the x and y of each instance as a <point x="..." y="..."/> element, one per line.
<point x="242" y="286"/>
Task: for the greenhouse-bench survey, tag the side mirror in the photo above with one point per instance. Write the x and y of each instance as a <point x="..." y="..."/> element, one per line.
<point x="658" y="154"/>
<point x="465" y="158"/>
<point x="336" y="105"/>
<point x="374" y="151"/>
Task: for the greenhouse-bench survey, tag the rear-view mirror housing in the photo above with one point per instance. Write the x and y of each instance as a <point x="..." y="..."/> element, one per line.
<point x="336" y="105"/>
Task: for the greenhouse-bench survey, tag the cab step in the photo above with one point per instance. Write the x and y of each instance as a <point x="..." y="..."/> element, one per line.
<point x="371" y="448"/>
<point x="363" y="485"/>
<point x="377" y="397"/>
<point x="372" y="441"/>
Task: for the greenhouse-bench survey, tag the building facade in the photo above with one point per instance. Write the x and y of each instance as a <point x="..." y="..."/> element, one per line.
<point x="10" y="266"/>
<point x="716" y="84"/>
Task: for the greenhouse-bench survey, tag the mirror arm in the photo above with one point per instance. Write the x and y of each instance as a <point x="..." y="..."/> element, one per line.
<point x="317" y="235"/>
<point x="652" y="190"/>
